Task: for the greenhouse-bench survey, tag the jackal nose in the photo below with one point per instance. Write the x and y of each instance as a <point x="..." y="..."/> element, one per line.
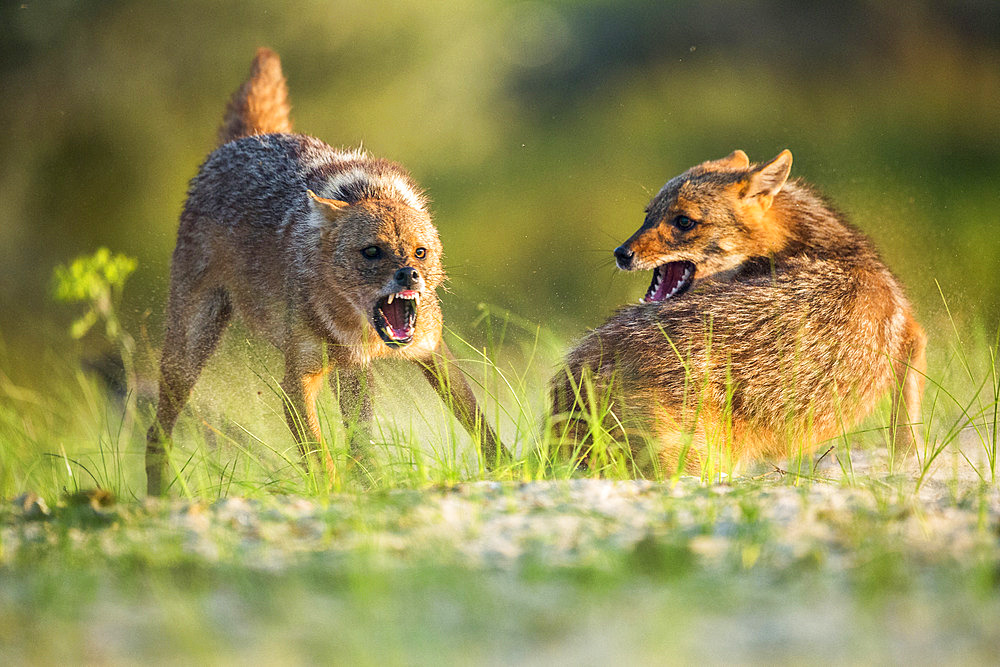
<point x="407" y="278"/>
<point x="624" y="257"/>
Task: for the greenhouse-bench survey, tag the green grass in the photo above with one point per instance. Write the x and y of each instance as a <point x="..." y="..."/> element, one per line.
<point x="849" y="554"/>
<point x="69" y="434"/>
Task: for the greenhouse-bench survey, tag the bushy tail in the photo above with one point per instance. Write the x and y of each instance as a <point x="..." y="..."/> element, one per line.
<point x="260" y="106"/>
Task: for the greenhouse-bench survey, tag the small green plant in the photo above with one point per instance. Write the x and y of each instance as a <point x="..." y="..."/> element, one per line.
<point x="98" y="281"/>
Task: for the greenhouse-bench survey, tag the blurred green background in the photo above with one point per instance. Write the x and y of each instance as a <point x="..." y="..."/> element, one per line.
<point x="539" y="129"/>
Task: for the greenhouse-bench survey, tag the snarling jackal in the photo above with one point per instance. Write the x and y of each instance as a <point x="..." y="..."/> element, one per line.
<point x="329" y="254"/>
<point x="770" y="324"/>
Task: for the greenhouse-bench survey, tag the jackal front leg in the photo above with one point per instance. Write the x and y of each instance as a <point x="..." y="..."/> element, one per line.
<point x="449" y="382"/>
<point x="353" y="387"/>
<point x="303" y="379"/>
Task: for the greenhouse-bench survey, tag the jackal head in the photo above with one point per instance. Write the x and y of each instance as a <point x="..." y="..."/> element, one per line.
<point x="706" y="222"/>
<point x="384" y="258"/>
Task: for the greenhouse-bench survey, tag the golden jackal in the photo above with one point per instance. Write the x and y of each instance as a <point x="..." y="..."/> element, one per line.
<point x="769" y="326"/>
<point x="330" y="255"/>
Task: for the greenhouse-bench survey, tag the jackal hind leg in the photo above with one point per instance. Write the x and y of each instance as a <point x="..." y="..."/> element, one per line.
<point x="598" y="433"/>
<point x="195" y="323"/>
<point x="593" y="429"/>
<point x="572" y="438"/>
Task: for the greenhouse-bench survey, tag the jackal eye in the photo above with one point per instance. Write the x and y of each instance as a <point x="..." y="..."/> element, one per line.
<point x="683" y="223"/>
<point x="372" y="252"/>
<point x="420" y="253"/>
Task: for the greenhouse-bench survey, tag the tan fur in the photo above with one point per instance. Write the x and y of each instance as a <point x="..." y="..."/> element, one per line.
<point x="260" y="105"/>
<point x="790" y="331"/>
<point x="275" y="228"/>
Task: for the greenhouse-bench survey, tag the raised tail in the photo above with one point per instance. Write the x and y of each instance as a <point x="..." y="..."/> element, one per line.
<point x="260" y="106"/>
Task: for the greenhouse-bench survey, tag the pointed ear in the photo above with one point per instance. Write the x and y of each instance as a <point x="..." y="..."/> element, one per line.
<point x="767" y="180"/>
<point x="735" y="160"/>
<point x="330" y="208"/>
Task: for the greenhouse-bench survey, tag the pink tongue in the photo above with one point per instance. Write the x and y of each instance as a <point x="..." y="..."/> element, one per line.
<point x="670" y="275"/>
<point x="395" y="317"/>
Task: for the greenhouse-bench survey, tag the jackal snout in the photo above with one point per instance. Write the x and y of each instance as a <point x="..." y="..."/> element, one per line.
<point x="624" y="257"/>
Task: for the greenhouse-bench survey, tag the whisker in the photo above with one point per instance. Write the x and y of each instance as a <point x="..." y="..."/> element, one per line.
<point x="610" y="236"/>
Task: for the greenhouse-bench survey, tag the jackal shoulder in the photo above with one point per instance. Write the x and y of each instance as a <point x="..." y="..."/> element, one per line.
<point x="265" y="179"/>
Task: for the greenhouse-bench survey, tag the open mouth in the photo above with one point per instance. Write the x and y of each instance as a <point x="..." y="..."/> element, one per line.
<point x="669" y="280"/>
<point x="395" y="317"/>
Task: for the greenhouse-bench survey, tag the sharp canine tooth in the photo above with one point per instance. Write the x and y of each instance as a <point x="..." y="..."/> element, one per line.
<point x="391" y="297"/>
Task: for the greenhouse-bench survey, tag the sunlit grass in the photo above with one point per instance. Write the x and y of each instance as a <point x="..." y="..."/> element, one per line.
<point x="77" y="435"/>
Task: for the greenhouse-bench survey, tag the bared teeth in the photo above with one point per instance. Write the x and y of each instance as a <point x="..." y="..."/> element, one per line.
<point x="409" y="295"/>
<point x="683" y="281"/>
<point x="669" y="280"/>
<point x="654" y="286"/>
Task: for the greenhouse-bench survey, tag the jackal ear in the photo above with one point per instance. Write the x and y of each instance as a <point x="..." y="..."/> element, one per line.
<point x="765" y="181"/>
<point x="330" y="208"/>
<point x="735" y="160"/>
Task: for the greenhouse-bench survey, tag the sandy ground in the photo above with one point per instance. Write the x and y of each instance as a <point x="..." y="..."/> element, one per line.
<point x="846" y="537"/>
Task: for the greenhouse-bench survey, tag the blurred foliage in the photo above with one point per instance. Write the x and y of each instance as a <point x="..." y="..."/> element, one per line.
<point x="95" y="280"/>
<point x="98" y="282"/>
<point x="540" y="130"/>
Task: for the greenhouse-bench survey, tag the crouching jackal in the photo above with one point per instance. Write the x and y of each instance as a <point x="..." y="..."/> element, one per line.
<point x="770" y="325"/>
<point x="330" y="255"/>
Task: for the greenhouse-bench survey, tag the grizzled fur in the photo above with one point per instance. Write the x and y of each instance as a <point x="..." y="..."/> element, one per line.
<point x="277" y="227"/>
<point x="788" y="331"/>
